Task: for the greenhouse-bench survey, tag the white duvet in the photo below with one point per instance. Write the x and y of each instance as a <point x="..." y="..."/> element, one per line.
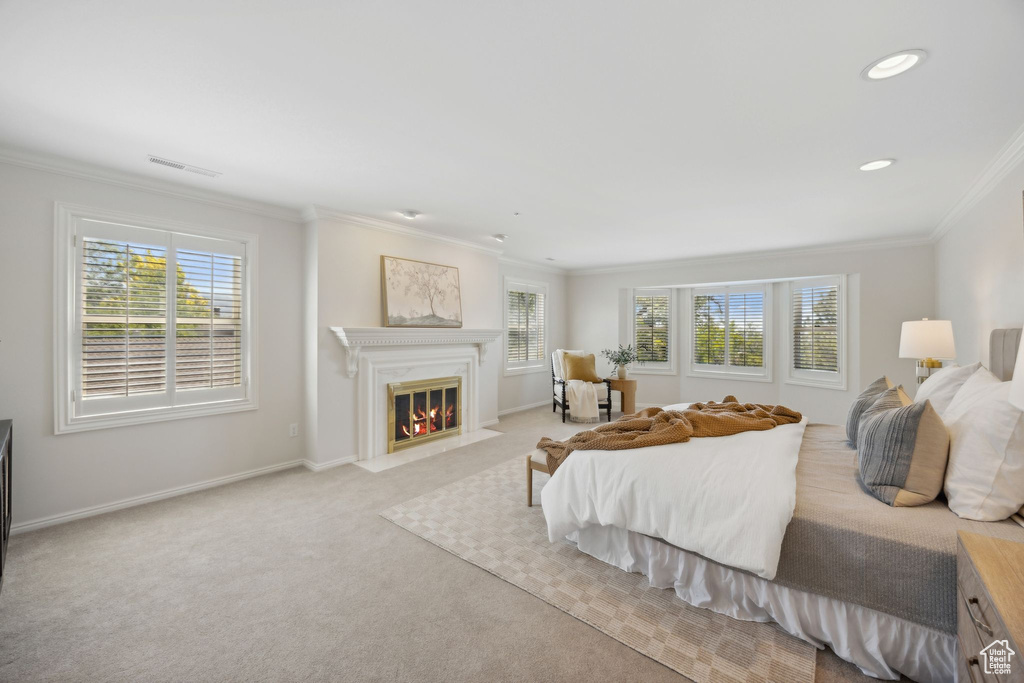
<point x="727" y="498"/>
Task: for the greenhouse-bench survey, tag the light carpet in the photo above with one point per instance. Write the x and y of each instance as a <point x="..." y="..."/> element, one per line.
<point x="295" y="576"/>
<point x="484" y="520"/>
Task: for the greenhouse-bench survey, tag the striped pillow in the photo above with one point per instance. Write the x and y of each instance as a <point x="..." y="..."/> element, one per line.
<point x="903" y="449"/>
<point x="862" y="403"/>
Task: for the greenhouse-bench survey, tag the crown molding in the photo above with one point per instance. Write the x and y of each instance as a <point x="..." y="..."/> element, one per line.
<point x="76" y="169"/>
<point x="1008" y="158"/>
<point x="863" y="245"/>
<point x="316" y="212"/>
<point x="522" y="263"/>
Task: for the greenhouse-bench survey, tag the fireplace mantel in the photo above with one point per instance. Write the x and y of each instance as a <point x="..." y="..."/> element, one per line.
<point x="355" y="338"/>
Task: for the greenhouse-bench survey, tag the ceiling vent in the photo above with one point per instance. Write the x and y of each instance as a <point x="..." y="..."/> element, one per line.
<point x="184" y="167"/>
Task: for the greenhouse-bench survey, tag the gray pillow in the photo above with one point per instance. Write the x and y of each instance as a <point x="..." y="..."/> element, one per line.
<point x="862" y="403"/>
<point x="903" y="449"/>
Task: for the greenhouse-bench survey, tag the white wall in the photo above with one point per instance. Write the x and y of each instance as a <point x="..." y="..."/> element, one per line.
<point x="348" y="291"/>
<point x="885" y="286"/>
<point x="979" y="269"/>
<point x="521" y="390"/>
<point x="58" y="475"/>
<point x="327" y="273"/>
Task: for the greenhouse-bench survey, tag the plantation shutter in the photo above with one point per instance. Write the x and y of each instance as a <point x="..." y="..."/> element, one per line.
<point x="524" y="327"/>
<point x="208" y="341"/>
<point x="123" y="318"/>
<point x="160" y="317"/>
<point x="518" y="326"/>
<point x="816" y="327"/>
<point x="729" y="330"/>
<point x="709" y="329"/>
<point x="535" y="352"/>
<point x="746" y="329"/>
<point x="651" y="334"/>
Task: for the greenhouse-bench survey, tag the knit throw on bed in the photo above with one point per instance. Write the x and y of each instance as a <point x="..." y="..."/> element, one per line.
<point x="655" y="427"/>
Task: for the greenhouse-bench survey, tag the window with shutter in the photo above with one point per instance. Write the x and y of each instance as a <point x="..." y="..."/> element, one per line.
<point x="730" y="331"/>
<point x="816" y="332"/>
<point x="525" y="327"/>
<point x="652" y="329"/>
<point x="156" y="325"/>
<point x="124" y="318"/>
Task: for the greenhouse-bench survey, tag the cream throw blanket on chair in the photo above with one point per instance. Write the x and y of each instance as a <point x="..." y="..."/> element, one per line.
<point x="581" y="396"/>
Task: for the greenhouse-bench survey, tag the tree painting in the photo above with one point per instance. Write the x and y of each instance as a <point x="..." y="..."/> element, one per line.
<point x="418" y="294"/>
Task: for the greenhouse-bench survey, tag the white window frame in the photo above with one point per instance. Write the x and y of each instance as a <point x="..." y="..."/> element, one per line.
<point x="817" y="378"/>
<point x="515" y="284"/>
<point x="67" y="327"/>
<point x="732" y="371"/>
<point x="651" y="368"/>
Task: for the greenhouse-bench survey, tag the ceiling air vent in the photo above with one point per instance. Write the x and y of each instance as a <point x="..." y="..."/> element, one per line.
<point x="183" y="167"/>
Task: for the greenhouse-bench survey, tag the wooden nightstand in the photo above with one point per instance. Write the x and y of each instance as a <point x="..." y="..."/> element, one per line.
<point x="990" y="608"/>
<point x="627" y="393"/>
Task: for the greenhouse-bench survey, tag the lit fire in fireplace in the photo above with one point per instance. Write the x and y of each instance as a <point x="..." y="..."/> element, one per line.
<point x="420" y="422"/>
<point x="422" y="410"/>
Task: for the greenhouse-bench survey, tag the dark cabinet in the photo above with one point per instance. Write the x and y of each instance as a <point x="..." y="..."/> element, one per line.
<point x="6" y="438"/>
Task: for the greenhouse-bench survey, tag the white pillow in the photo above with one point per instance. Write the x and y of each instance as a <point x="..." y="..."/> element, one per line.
<point x="985" y="476"/>
<point x="941" y="387"/>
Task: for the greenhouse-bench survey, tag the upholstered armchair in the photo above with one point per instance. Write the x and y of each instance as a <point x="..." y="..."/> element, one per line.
<point x="558" y="399"/>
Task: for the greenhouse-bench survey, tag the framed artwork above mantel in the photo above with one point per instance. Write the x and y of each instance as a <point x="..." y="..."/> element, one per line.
<point x="419" y="294"/>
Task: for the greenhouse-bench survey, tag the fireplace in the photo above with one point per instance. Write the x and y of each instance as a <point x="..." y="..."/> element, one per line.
<point x="423" y="411"/>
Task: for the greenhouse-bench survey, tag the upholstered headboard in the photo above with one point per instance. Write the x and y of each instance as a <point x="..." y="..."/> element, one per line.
<point x="1002" y="352"/>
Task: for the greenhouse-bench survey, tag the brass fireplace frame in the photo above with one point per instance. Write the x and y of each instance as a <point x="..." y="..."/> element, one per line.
<point x="420" y="386"/>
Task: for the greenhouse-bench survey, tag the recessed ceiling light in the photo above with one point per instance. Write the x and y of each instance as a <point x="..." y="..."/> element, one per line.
<point x="893" y="65"/>
<point x="876" y="165"/>
<point x="500" y="237"/>
<point x="410" y="214"/>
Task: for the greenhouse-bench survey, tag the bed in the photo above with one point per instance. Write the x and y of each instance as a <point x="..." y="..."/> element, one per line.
<point x="876" y="584"/>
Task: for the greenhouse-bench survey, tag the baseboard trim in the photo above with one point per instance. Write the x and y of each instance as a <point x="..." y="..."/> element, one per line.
<point x="321" y="466"/>
<point x="43" y="522"/>
<point x="489" y="423"/>
<point x="519" y="409"/>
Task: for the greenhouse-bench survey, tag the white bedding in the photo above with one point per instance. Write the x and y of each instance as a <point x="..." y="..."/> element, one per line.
<point x="727" y="498"/>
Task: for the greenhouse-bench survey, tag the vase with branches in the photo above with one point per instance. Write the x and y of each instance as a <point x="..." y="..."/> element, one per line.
<point x="622" y="358"/>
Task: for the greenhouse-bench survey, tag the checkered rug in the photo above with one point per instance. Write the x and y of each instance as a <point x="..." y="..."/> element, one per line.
<point x="484" y="520"/>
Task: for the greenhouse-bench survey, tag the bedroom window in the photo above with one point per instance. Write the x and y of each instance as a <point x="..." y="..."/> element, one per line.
<point x="730" y="334"/>
<point x="154" y="321"/>
<point x="525" y="327"/>
<point x="817" y="349"/>
<point x="652" y="320"/>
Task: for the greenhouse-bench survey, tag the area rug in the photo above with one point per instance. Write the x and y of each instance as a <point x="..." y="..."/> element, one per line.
<point x="484" y="520"/>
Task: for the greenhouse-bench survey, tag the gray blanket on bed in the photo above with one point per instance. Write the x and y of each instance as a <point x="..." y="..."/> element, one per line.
<point x="844" y="544"/>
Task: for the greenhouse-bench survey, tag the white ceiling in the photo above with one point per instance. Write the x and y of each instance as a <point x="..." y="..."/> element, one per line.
<point x="619" y="131"/>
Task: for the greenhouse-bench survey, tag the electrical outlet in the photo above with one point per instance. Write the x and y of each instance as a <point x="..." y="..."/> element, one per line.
<point x="293" y="429"/>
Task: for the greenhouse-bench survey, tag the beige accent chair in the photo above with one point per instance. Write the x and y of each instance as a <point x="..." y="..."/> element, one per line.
<point x="558" y="399"/>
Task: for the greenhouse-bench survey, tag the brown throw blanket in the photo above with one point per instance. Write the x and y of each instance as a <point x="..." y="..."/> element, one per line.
<point x="655" y="427"/>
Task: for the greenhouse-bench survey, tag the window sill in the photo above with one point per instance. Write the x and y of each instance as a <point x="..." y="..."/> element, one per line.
<point x="652" y="371"/>
<point x="837" y="386"/>
<point x="743" y="377"/>
<point x="137" y="417"/>
<point x="533" y="370"/>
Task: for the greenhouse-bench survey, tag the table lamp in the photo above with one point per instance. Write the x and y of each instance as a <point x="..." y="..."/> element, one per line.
<point x="930" y="342"/>
<point x="1017" y="388"/>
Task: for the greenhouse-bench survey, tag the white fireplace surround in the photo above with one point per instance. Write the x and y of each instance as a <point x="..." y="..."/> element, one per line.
<point x="378" y="356"/>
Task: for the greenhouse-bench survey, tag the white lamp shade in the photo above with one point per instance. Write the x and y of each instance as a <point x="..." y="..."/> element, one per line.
<point x="927" y="339"/>
<point x="1017" y="387"/>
